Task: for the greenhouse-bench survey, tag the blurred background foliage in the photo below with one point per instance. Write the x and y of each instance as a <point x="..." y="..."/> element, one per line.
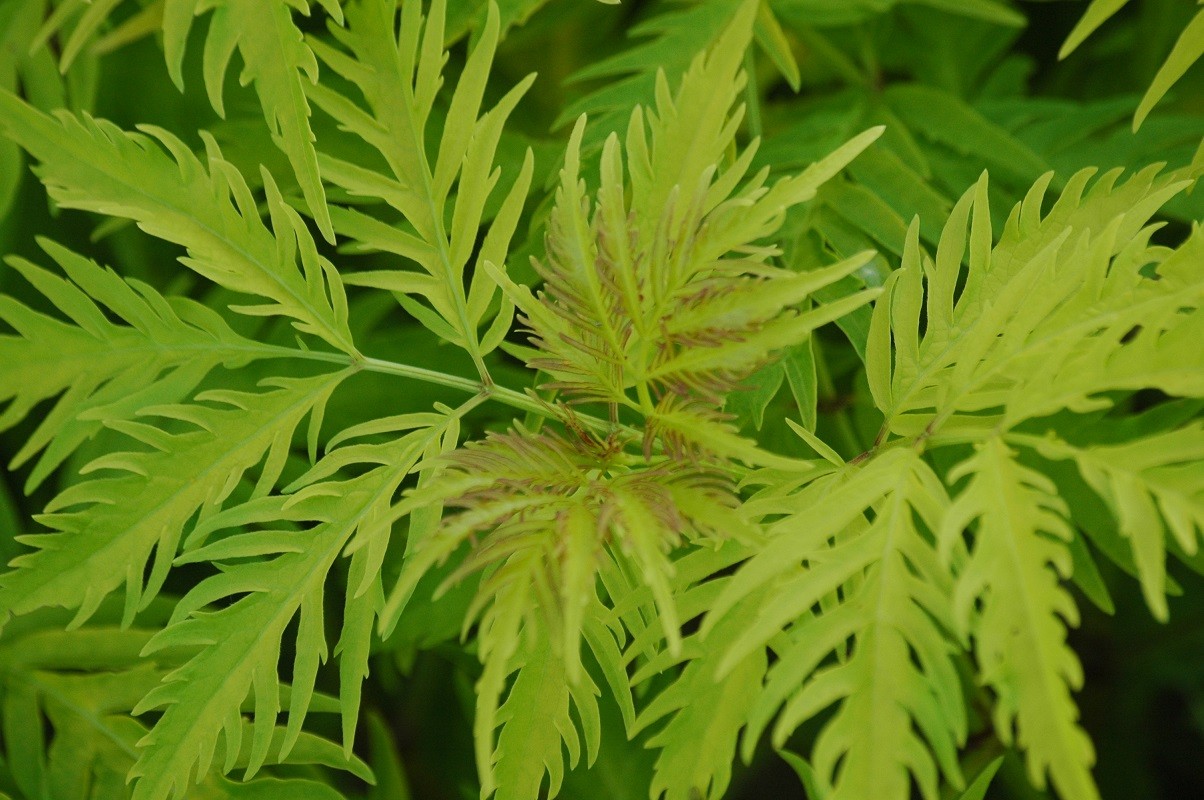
<point x="962" y="86"/>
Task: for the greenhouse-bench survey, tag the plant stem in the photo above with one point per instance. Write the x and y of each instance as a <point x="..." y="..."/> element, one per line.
<point x="491" y="391"/>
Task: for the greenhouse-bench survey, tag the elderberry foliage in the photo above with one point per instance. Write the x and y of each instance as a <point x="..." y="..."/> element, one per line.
<point x="535" y="398"/>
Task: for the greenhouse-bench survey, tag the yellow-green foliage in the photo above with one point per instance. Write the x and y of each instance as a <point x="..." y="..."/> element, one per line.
<point x="705" y="420"/>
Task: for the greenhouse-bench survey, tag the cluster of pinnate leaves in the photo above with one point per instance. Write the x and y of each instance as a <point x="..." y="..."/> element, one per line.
<point x="630" y="554"/>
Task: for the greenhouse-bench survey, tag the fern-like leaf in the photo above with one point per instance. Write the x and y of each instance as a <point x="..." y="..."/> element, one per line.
<point x="98" y="370"/>
<point x="285" y="578"/>
<point x="1154" y="489"/>
<point x="1058" y="295"/>
<point x="93" y="165"/>
<point x="80" y="687"/>
<point x="399" y="74"/>
<point x="665" y="295"/>
<point x="535" y="723"/>
<point x="898" y="694"/>
<point x="105" y="530"/>
<point x="700" y="716"/>
<point x="554" y="519"/>
<point x="275" y="59"/>
<point x="1145" y="335"/>
<point x="1009" y="601"/>
<point x="540" y="492"/>
<point x="666" y="301"/>
<point x="273" y="51"/>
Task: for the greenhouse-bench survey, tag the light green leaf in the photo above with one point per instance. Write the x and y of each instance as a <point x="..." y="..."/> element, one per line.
<point x="1099" y="12"/>
<point x="978" y="789"/>
<point x="1187" y="51"/>
<point x="1044" y="318"/>
<point x="705" y="714"/>
<point x="241" y="639"/>
<point x="806" y="774"/>
<point x="535" y="724"/>
<point x="98" y="370"/>
<point x="895" y="603"/>
<point x="612" y="323"/>
<point x="91" y="164"/>
<point x="105" y="530"/>
<point x="1151" y="486"/>
<point x="1010" y="601"/>
<point x="275" y="59"/>
<point x="399" y="79"/>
